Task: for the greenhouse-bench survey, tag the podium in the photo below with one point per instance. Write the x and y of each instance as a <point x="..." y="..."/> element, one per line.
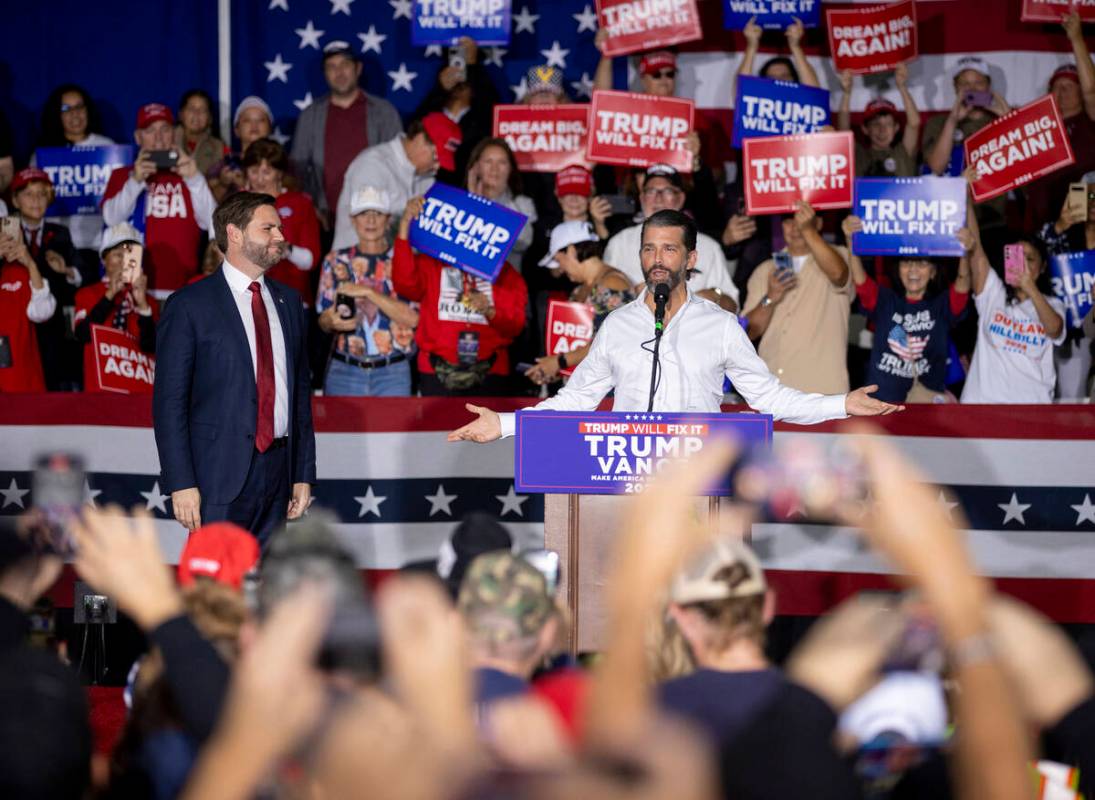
<point x="588" y="465"/>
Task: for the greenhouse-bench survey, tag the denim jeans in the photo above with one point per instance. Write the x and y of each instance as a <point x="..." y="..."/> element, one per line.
<point x="346" y="380"/>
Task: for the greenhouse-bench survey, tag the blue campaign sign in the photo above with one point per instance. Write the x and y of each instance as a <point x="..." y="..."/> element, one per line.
<point x="466" y="230"/>
<point x="909" y="216"/>
<point x="764" y="107"/>
<point x="80" y="175"/>
<point x="615" y="452"/>
<point x="770" y="13"/>
<point x="1072" y="276"/>
<point x="445" y="21"/>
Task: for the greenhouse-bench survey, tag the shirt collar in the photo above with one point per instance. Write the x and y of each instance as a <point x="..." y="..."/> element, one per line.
<point x="237" y="281"/>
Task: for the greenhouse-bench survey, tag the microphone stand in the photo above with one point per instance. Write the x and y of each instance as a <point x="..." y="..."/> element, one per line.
<point x="661" y="296"/>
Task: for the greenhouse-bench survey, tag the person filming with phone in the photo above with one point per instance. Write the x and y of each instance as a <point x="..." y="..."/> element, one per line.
<point x="698" y="344"/>
<point x="164" y="193"/>
<point x="120" y="300"/>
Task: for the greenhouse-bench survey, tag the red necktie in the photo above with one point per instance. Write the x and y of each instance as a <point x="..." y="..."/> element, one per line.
<point x="264" y="356"/>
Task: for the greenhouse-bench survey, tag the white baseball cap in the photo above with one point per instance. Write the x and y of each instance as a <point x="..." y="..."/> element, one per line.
<point x="909" y="704"/>
<point x="370" y="198"/>
<point x="976" y="63"/>
<point x="119" y="234"/>
<point x="252" y="101"/>
<point x="563" y="236"/>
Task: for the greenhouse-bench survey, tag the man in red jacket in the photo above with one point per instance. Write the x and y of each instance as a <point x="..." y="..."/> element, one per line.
<point x="120" y="300"/>
<point x="465" y="323"/>
<point x="173" y="205"/>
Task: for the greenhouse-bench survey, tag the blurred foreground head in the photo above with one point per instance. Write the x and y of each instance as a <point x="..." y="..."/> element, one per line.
<point x="506" y="608"/>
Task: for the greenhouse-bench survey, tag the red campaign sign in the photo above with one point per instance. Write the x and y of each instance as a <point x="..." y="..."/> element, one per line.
<point x="1021" y="146"/>
<point x="872" y="39"/>
<point x="1055" y="10"/>
<point x="816" y="167"/>
<point x="635" y="25"/>
<point x="637" y="130"/>
<point x="569" y="326"/>
<point x="119" y="362"/>
<point x="544" y="138"/>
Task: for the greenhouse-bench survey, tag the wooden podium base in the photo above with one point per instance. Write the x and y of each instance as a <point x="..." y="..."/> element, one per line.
<point x="582" y="530"/>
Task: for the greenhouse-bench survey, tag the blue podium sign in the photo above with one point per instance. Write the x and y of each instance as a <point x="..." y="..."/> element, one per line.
<point x="573" y="452"/>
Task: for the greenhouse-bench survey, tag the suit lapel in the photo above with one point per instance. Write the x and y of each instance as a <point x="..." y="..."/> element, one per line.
<point x="230" y="313"/>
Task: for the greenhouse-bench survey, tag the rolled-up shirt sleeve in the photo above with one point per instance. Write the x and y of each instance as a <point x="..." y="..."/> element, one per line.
<point x="764" y="393"/>
<point x="42" y="304"/>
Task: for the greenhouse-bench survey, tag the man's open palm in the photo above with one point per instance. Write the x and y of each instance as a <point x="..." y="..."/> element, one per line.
<point x="486" y="428"/>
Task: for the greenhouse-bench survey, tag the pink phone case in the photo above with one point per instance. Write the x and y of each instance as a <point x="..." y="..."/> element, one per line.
<point x="1015" y="263"/>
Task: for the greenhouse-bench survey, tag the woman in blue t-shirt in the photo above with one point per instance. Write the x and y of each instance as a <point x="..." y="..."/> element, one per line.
<point x="912" y="321"/>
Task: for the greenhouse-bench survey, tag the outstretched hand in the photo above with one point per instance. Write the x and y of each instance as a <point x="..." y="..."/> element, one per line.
<point x="486" y="428"/>
<point x="860" y="403"/>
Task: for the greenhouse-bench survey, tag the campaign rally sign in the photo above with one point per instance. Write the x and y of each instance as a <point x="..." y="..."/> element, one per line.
<point x="770" y="13"/>
<point x="1072" y="276"/>
<point x="872" y="39"/>
<point x="909" y="216"/>
<point x="777" y="108"/>
<point x="816" y="167"/>
<point x="634" y="25"/>
<point x="1021" y="146"/>
<point x="569" y="326"/>
<point x="637" y="130"/>
<point x="119" y="363"/>
<point x="1055" y="10"/>
<point x="544" y="138"/>
<point x="445" y="21"/>
<point x="80" y="174"/>
<point x="616" y="452"/>
<point x="466" y="231"/>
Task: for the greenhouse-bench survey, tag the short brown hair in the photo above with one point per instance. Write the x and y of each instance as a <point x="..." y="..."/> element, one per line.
<point x="267" y="150"/>
<point x="236" y="210"/>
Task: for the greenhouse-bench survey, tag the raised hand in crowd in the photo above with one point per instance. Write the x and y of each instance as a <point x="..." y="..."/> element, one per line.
<point x="1070" y="215"/>
<point x="780" y="282"/>
<point x="739" y="228"/>
<point x="600" y="209"/>
<point x="186" y="166"/>
<point x="276" y="698"/>
<point x="410" y="213"/>
<point x="120" y="556"/>
<point x="56" y="262"/>
<point x="139" y="291"/>
<point x="913" y="531"/>
<point x="143" y="168"/>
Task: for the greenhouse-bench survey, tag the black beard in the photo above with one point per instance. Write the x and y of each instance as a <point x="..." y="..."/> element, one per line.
<point x="260" y="255"/>
<point x="673" y="281"/>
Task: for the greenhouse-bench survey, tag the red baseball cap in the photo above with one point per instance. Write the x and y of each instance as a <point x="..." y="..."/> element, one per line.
<point x="29" y="175"/>
<point x="574" y="179"/>
<point x="877" y="108"/>
<point x="658" y="60"/>
<point x="446" y="136"/>
<point x="153" y="112"/>
<point x="220" y="550"/>
<point x="1067" y="71"/>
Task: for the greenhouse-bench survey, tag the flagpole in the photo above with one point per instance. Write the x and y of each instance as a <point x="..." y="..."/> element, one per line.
<point x="224" y="67"/>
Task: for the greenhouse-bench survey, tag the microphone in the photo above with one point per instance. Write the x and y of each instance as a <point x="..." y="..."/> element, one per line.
<point x="661" y="298"/>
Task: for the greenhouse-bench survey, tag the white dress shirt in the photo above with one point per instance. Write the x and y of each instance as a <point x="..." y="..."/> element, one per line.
<point x="701" y="344"/>
<point x="622" y="252"/>
<point x="238" y="283"/>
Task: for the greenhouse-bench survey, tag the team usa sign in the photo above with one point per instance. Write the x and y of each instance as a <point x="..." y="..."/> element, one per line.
<point x="615" y="452"/>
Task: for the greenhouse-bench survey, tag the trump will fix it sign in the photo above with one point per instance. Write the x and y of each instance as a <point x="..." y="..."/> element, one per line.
<point x="637" y="130"/>
<point x="815" y="167"/>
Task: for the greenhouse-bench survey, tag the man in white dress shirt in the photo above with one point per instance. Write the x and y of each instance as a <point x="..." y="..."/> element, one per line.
<point x="231" y="403"/>
<point x="700" y="345"/>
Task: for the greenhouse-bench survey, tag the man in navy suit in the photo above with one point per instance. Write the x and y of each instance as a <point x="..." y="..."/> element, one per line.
<point x="232" y="401"/>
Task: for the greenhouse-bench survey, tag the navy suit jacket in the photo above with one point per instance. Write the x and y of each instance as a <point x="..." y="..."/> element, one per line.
<point x="205" y="402"/>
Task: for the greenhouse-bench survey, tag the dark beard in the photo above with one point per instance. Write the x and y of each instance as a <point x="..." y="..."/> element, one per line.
<point x="261" y="256"/>
<point x="673" y="281"/>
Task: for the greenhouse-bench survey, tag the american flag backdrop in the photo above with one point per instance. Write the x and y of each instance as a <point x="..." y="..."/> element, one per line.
<point x="276" y="52"/>
<point x="1024" y="475"/>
